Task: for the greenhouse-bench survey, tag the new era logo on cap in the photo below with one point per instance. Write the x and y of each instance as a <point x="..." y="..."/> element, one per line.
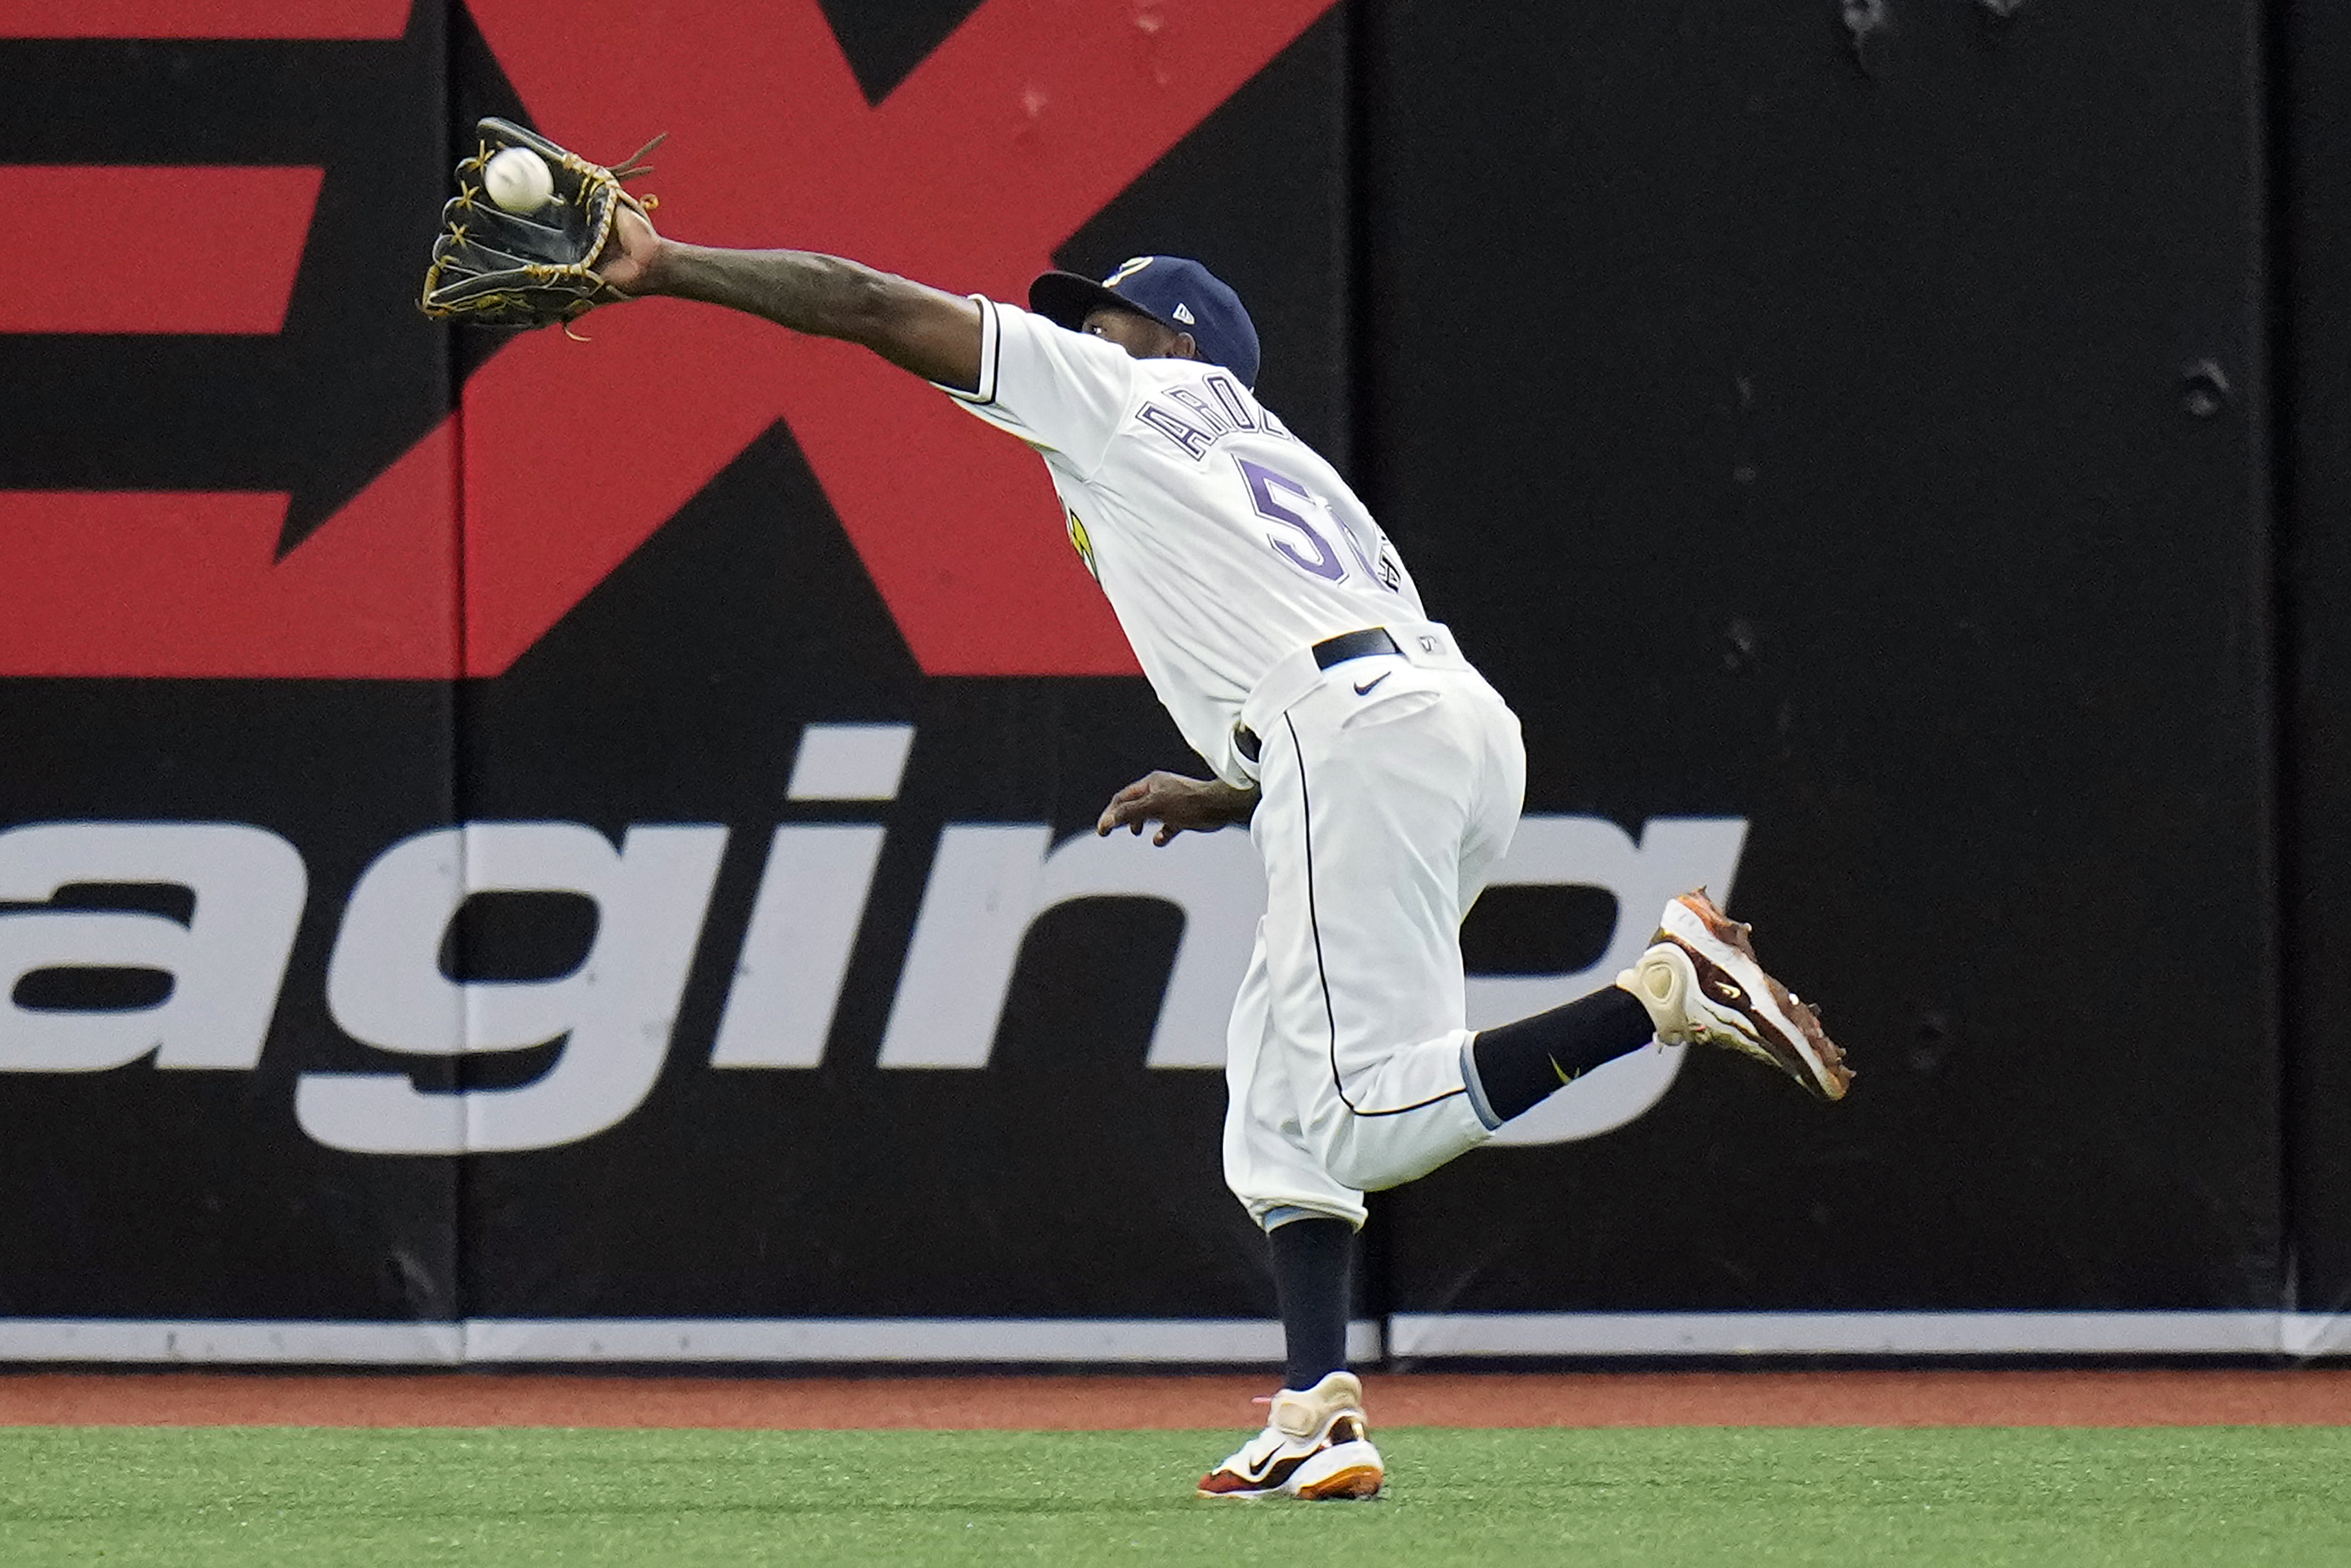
<point x="1176" y="291"/>
<point x="1133" y="264"/>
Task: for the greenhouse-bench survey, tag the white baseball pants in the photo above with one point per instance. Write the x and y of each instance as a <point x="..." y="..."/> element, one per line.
<point x="1382" y="813"/>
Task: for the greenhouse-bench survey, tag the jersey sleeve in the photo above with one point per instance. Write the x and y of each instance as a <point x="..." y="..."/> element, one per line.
<point x="1053" y="388"/>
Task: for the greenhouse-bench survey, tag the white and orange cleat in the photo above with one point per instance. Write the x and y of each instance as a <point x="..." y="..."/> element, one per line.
<point x="1702" y="984"/>
<point x="1316" y="1446"/>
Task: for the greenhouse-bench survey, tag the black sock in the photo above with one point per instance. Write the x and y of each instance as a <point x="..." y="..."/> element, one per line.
<point x="1310" y="1262"/>
<point x="1519" y="1063"/>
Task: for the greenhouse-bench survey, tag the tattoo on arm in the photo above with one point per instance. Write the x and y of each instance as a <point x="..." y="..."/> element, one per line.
<point x="920" y="329"/>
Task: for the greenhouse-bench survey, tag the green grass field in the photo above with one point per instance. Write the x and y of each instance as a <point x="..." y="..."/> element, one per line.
<point x="277" y="1495"/>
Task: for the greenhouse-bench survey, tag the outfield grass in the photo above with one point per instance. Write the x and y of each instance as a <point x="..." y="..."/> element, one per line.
<point x="274" y="1495"/>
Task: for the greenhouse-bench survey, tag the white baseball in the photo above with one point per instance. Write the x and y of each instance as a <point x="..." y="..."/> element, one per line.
<point x="519" y="179"/>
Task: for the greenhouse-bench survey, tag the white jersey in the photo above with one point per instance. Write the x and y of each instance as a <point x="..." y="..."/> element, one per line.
<point x="1222" y="542"/>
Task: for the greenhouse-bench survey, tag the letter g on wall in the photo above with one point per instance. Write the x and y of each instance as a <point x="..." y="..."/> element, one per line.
<point x="615" y="1014"/>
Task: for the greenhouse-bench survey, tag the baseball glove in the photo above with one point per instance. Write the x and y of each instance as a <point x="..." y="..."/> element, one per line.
<point x="528" y="269"/>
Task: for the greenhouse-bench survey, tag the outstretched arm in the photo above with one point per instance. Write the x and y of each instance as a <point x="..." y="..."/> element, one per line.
<point x="935" y="334"/>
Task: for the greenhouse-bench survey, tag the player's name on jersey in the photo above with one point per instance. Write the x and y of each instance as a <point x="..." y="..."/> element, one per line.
<point x="223" y="938"/>
<point x="1197" y="417"/>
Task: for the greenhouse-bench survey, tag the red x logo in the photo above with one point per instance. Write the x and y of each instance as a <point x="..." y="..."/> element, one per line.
<point x="1020" y="128"/>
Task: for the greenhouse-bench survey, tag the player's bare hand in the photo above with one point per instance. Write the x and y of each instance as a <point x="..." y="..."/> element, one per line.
<point x="1177" y="804"/>
<point x="635" y="246"/>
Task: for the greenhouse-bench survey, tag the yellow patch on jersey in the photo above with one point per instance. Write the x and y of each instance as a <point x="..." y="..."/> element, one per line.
<point x="1082" y="543"/>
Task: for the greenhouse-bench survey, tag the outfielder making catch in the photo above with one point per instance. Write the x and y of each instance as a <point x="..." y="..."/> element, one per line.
<point x="1379" y="775"/>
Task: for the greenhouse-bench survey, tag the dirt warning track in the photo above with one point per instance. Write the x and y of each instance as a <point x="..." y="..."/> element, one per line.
<point x="2302" y="1396"/>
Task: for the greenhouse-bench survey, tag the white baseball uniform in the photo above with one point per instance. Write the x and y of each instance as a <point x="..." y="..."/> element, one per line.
<point x="1391" y="781"/>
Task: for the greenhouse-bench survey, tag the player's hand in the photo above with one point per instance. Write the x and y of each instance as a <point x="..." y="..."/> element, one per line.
<point x="634" y="247"/>
<point x="1177" y="804"/>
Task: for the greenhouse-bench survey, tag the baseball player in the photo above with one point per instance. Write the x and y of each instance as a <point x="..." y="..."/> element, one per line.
<point x="1379" y="776"/>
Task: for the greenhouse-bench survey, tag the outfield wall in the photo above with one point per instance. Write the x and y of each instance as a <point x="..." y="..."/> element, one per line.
<point x="516" y="850"/>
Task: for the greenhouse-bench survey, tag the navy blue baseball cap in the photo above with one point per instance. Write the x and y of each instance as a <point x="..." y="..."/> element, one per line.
<point x="1173" y="290"/>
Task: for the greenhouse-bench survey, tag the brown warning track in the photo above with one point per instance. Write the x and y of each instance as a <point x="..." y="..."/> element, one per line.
<point x="2299" y="1397"/>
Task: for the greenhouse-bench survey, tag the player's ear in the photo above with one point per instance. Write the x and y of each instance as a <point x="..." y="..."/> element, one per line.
<point x="1185" y="347"/>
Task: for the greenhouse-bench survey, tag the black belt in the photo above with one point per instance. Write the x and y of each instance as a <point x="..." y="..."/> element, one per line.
<point x="1331" y="650"/>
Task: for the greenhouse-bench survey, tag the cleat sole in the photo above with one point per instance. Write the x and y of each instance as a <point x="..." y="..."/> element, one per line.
<point x="1788" y="1034"/>
<point x="1354" y="1484"/>
<point x="1343" y="1471"/>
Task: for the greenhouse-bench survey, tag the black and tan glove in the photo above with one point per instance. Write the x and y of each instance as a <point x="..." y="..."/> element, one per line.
<point x="499" y="269"/>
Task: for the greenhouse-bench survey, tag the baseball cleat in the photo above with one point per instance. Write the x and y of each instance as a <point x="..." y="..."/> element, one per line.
<point x="1702" y="984"/>
<point x="1316" y="1446"/>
